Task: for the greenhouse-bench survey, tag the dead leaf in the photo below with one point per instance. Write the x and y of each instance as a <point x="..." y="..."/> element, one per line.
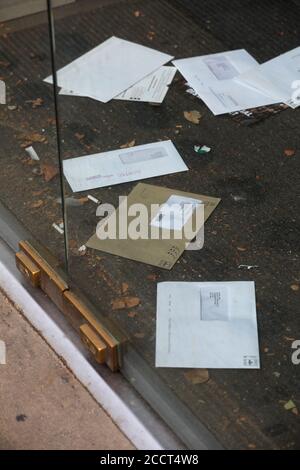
<point x="125" y="287"/>
<point x="49" y="171"/>
<point x="151" y="35"/>
<point x="36" y="137"/>
<point x="36" y="103"/>
<point x="4" y="63"/>
<point x="37" y="204"/>
<point x="295" y="287"/>
<point x="152" y="277"/>
<point x="79" y="136"/>
<point x="192" y="116"/>
<point x="241" y="248"/>
<point x="137" y="13"/>
<point x="132" y="314"/>
<point x="289" y="152"/>
<point x="290" y="405"/>
<point x="128" y="145"/>
<point x="139" y="335"/>
<point x="125" y="302"/>
<point x="197" y="376"/>
<point x="83" y="200"/>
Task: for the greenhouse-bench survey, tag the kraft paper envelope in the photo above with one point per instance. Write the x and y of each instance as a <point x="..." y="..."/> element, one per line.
<point x="158" y="252"/>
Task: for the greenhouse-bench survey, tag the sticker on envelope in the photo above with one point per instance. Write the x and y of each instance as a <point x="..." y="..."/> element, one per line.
<point x="175" y="212"/>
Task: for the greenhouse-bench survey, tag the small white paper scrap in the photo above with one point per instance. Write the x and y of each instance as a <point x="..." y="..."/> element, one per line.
<point x="32" y="153"/>
<point x="2" y="92"/>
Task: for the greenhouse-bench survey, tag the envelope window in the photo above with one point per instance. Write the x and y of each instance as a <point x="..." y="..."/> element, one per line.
<point x="213" y="303"/>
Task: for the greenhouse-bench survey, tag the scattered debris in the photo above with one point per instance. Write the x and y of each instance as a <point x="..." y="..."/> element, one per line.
<point x="125" y="302"/>
<point x="238" y="198"/>
<point x="37" y="204"/>
<point x="73" y="202"/>
<point x="79" y="136"/>
<point x="12" y="108"/>
<point x="58" y="228"/>
<point x="82" y="250"/>
<point x="93" y="199"/>
<point x="49" y="171"/>
<point x="192" y="116"/>
<point x="139" y="335"/>
<point x="2" y="92"/>
<point x="151" y="35"/>
<point x="125" y="287"/>
<point x="289" y="152"/>
<point x="295" y="287"/>
<point x="132" y="314"/>
<point x="152" y="277"/>
<point x="202" y="150"/>
<point x="137" y="13"/>
<point x="290" y="406"/>
<point x="241" y="248"/>
<point x="128" y="144"/>
<point x="32" y="153"/>
<point x="248" y="266"/>
<point x="36" y="103"/>
<point x="36" y="137"/>
<point x="197" y="376"/>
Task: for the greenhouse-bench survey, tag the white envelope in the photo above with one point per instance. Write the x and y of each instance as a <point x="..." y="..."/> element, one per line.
<point x="151" y="89"/>
<point x="279" y="77"/>
<point x="213" y="79"/>
<point x="109" y="69"/>
<point x="207" y="325"/>
<point x="123" y="165"/>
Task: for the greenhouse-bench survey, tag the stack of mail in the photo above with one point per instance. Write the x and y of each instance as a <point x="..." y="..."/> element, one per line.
<point x="117" y="69"/>
<point x="233" y="81"/>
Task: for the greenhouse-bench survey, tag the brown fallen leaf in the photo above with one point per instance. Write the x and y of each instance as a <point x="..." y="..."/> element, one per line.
<point x="36" y="137"/>
<point x="49" y="171"/>
<point x="241" y="248"/>
<point x="125" y="302"/>
<point x="192" y="116"/>
<point x="37" y="204"/>
<point x="137" y="13"/>
<point x="132" y="314"/>
<point x="290" y="406"/>
<point x="151" y="35"/>
<point x="83" y="200"/>
<point x="295" y="287"/>
<point x="289" y="152"/>
<point x="128" y="145"/>
<point x="197" y="376"/>
<point x="79" y="136"/>
<point x="125" y="287"/>
<point x="139" y="335"/>
<point x="4" y="63"/>
<point x="152" y="277"/>
<point x="36" y="103"/>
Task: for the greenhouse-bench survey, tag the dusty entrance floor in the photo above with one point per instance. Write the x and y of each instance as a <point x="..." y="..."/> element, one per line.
<point x="43" y="406"/>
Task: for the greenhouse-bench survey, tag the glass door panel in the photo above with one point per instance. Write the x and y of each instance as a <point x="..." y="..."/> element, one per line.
<point x="233" y="408"/>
